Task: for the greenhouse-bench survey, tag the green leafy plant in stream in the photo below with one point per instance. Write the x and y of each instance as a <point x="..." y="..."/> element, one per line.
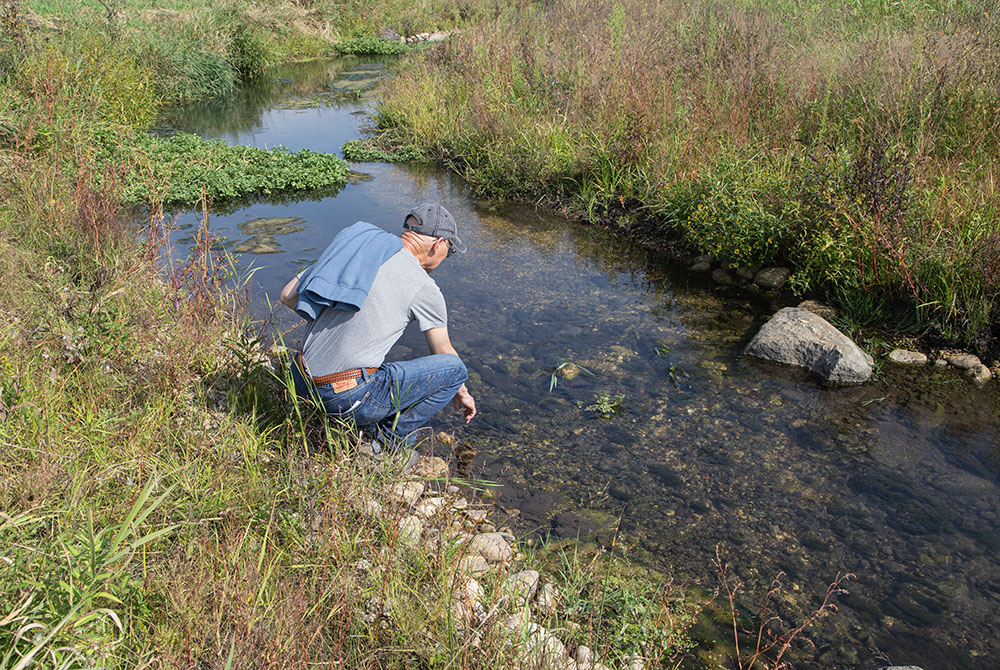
<point x="369" y="45"/>
<point x="183" y="168"/>
<point x="606" y="405"/>
<point x="569" y="370"/>
<point x="374" y="150"/>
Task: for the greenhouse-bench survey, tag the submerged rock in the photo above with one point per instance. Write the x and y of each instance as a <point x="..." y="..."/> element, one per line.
<point x="980" y="374"/>
<point x="904" y="357"/>
<point x="799" y="337"/>
<point x="964" y="361"/>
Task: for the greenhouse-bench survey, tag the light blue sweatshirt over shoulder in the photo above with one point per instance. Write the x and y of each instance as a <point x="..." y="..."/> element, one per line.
<point x="344" y="273"/>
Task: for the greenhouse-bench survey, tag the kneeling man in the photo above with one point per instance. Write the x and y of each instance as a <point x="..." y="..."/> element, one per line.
<point x="358" y="298"/>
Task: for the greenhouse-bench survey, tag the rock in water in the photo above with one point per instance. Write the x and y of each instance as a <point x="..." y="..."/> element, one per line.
<point x="904" y="357"/>
<point x="796" y="336"/>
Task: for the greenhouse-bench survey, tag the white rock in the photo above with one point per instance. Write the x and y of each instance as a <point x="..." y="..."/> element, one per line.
<point x="473" y="564"/>
<point x="583" y="656"/>
<point x="428" y="507"/>
<point x="637" y="663"/>
<point x="491" y="546"/>
<point x="460" y="504"/>
<point x="964" y="361"/>
<point x="407" y="492"/>
<point x="547" y="596"/>
<point x="411" y="527"/>
<point x="904" y="357"/>
<point x="521" y="587"/>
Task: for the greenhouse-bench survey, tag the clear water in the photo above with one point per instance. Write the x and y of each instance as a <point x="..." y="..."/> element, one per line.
<point x="895" y="481"/>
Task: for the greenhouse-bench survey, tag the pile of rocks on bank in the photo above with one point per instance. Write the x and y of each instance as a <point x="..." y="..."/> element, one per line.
<point x="765" y="279"/>
<point x="429" y="515"/>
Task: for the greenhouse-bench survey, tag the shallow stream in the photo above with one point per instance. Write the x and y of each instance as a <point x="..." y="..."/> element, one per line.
<point x="895" y="481"/>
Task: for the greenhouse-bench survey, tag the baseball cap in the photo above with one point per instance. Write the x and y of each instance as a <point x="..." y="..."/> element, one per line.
<point x="436" y="221"/>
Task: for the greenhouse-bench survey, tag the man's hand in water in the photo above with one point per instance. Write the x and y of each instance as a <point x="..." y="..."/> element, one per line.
<point x="465" y="403"/>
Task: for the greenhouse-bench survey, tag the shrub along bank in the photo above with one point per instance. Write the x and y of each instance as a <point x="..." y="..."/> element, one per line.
<point x="856" y="142"/>
<point x="163" y="499"/>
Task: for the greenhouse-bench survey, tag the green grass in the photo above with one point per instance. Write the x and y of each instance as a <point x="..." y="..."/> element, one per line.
<point x="854" y="142"/>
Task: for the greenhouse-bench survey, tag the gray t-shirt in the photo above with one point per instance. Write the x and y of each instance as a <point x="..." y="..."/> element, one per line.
<point x="402" y="292"/>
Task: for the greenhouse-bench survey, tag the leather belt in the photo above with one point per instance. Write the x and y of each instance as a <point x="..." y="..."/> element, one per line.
<point x="333" y="377"/>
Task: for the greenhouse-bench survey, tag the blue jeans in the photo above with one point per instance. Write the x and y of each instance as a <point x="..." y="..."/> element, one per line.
<point x="397" y="399"/>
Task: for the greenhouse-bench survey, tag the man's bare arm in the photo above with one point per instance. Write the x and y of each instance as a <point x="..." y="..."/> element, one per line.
<point x="439" y="343"/>
<point x="290" y="294"/>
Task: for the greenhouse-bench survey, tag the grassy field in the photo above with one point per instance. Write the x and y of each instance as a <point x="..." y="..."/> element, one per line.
<point x="164" y="500"/>
<point x="856" y="142"/>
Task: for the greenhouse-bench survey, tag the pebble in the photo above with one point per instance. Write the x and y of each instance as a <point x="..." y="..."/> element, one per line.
<point x="521" y="587"/>
<point x="407" y="492"/>
<point x="491" y="546"/>
<point x="428" y="507"/>
<point x="460" y="504"/>
<point x="904" y="357"/>
<point x="410" y="529"/>
<point x="980" y="374"/>
<point x="964" y="361"/>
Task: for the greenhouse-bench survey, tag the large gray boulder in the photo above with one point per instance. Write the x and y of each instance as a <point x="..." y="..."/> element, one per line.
<point x="796" y="336"/>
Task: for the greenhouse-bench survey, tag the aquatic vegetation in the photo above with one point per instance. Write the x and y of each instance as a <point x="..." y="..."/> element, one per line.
<point x="182" y="169"/>
<point x="606" y="405"/>
<point x="377" y="150"/>
<point x="568" y="370"/>
<point x="369" y="45"/>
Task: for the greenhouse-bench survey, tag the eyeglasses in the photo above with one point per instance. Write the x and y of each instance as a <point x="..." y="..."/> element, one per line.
<point x="451" y="247"/>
